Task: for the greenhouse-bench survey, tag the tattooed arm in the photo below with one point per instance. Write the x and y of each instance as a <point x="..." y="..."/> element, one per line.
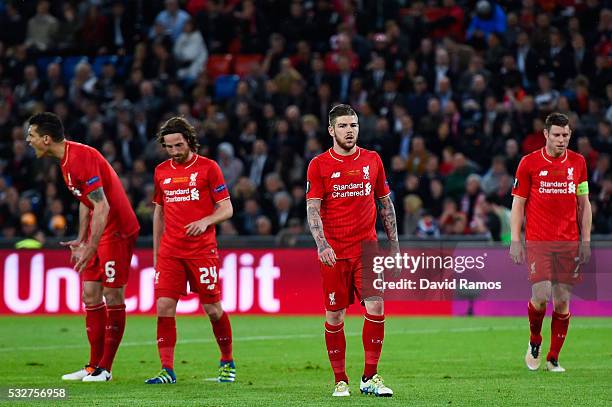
<point x="313" y="213"/>
<point x="98" y="222"/>
<point x="387" y="215"/>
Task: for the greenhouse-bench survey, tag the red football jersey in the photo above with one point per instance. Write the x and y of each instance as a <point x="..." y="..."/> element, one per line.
<point x="188" y="192"/>
<point x="347" y="187"/>
<point x="551" y="186"/>
<point x="84" y="169"/>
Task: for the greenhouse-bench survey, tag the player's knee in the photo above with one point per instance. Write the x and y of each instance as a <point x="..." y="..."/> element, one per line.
<point x="113" y="296"/>
<point x="91" y="297"/>
<point x="376" y="307"/>
<point x="214" y="311"/>
<point x="334" y="317"/>
<point x="166" y="307"/>
<point x="539" y="302"/>
<point x="561" y="307"/>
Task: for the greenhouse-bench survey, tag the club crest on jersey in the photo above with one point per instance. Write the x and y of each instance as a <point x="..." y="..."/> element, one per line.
<point x="366" y="172"/>
<point x="570" y="173"/>
<point x="335" y="174"/>
<point x="192" y="179"/>
<point x="332" y="298"/>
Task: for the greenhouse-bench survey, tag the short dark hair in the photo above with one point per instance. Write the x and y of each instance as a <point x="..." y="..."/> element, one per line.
<point x="340" y="110"/>
<point x="48" y="124"/>
<point x="179" y="124"/>
<point x="556" y="119"/>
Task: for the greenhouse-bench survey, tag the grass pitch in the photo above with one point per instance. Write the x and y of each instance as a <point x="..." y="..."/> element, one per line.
<point x="282" y="361"/>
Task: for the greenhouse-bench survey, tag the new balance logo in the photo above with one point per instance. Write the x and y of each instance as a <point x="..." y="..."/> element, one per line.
<point x="543" y="173"/>
<point x="167" y="180"/>
<point x="336" y="174"/>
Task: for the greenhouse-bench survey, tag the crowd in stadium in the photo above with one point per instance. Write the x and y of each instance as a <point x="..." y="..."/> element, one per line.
<point x="450" y="93"/>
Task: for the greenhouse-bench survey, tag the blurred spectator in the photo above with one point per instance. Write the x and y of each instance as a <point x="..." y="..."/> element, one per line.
<point x="190" y="52"/>
<point x="413" y="210"/>
<point x="259" y="163"/>
<point x="491" y="179"/>
<point x="68" y="29"/>
<point x="231" y="166"/>
<point x="263" y="226"/>
<point x="452" y="222"/>
<point x="172" y="19"/>
<point x="94" y="29"/>
<point x="33" y="238"/>
<point x="120" y="33"/>
<point x="489" y="18"/>
<point x="472" y="197"/>
<point x="42" y="28"/>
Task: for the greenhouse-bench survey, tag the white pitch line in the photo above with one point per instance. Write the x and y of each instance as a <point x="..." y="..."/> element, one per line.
<point x="299" y="336"/>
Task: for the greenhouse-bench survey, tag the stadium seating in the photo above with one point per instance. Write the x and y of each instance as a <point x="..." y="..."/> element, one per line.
<point x="243" y="63"/>
<point x="218" y="65"/>
<point x="225" y="86"/>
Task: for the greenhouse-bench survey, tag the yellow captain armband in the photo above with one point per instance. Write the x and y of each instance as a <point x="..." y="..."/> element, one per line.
<point x="583" y="188"/>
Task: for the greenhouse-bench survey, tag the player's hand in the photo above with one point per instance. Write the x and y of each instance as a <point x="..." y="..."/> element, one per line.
<point x="585" y="253"/>
<point x="517" y="252"/>
<point x="83" y="254"/>
<point x="327" y="256"/>
<point x="196" y="228"/>
<point x="72" y="245"/>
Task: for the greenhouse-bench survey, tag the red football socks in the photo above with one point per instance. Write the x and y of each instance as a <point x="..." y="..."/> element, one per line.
<point x="95" y="322"/>
<point x="372" y="336"/>
<point x="223" y="333"/>
<point x="115" y="326"/>
<point x="166" y="340"/>
<point x="535" y="323"/>
<point x="336" y="350"/>
<point x="558" y="331"/>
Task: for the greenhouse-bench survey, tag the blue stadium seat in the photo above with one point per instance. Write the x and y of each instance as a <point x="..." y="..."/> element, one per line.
<point x="225" y="86"/>
<point x="43" y="62"/>
<point x="69" y="64"/>
<point x="101" y="60"/>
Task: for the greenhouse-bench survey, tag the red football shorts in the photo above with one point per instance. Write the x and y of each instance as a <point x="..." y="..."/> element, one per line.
<point x="553" y="261"/>
<point x="341" y="283"/>
<point x="111" y="264"/>
<point x="173" y="273"/>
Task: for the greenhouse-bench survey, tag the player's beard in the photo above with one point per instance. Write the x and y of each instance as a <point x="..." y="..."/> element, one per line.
<point x="345" y="145"/>
<point x="181" y="158"/>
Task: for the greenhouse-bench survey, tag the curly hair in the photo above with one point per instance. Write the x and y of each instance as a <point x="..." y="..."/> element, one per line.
<point x="179" y="124"/>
